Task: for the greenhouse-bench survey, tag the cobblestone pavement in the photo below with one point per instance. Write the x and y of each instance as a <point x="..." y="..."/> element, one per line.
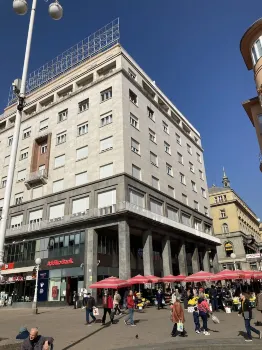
<point x="153" y="329"/>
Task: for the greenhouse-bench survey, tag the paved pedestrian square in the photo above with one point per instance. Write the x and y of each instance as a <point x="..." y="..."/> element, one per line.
<point x="153" y="330"/>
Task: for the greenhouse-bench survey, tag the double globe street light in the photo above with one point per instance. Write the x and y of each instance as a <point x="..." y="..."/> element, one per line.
<point x="21" y="7"/>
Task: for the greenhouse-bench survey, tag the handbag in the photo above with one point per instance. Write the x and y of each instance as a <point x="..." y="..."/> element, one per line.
<point x="180" y="326"/>
<point x="95" y="311"/>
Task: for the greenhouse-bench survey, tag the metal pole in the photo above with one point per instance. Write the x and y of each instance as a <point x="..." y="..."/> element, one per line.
<point x="11" y="168"/>
<point x="34" y="306"/>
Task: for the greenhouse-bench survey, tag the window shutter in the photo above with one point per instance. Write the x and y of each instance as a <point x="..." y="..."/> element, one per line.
<point x="106" y="199"/>
<point x="137" y="198"/>
<point x="57" y="211"/>
<point x="80" y="205"/>
<point x="106" y="143"/>
<point x="59" y="161"/>
<point x="82" y="152"/>
<point x="106" y="170"/>
<point x="16" y="220"/>
<point x="156" y="207"/>
<point x="58" y="185"/>
<point x="35" y="215"/>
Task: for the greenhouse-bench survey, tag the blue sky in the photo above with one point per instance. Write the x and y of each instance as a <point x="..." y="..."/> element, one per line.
<point x="190" y="48"/>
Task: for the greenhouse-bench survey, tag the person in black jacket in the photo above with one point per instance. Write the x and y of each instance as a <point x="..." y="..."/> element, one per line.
<point x="213" y="298"/>
<point x="90" y="304"/>
<point x="246" y="312"/>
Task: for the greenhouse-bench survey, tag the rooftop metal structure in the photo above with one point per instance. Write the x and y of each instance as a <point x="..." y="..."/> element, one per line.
<point x="99" y="41"/>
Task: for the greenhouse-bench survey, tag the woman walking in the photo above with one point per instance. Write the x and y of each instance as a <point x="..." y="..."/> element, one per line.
<point x="204" y="310"/>
<point x="177" y="317"/>
<point x="117" y="299"/>
<point x="246" y="311"/>
<point x="131" y="306"/>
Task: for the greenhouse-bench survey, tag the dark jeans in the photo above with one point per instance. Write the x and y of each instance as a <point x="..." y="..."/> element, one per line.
<point x="174" y="330"/>
<point x="160" y="305"/>
<point x="106" y="310"/>
<point x="214" y="303"/>
<point x="89" y="312"/>
<point x="197" y="326"/>
<point x="249" y="328"/>
<point x="203" y="315"/>
<point x="117" y="308"/>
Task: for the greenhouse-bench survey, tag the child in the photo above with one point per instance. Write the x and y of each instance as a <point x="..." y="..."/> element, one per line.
<point x="196" y="320"/>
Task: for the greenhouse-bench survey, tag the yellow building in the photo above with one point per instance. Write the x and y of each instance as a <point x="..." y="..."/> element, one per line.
<point x="237" y="226"/>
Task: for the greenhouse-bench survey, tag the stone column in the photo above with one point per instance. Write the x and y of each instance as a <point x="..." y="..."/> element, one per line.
<point x="206" y="261"/>
<point x="216" y="267"/>
<point x="148" y="253"/>
<point x="167" y="256"/>
<point x="195" y="260"/>
<point x="124" y="250"/>
<point x="182" y="259"/>
<point x="90" y="265"/>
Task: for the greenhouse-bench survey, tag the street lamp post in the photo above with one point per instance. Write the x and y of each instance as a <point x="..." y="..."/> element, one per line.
<point x="34" y="305"/>
<point x="233" y="256"/>
<point x="20" y="7"/>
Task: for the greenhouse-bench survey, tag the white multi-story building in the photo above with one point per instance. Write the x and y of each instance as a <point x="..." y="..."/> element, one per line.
<point x="109" y="175"/>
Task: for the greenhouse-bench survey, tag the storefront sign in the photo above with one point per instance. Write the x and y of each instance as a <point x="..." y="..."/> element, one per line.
<point x="60" y="262"/>
<point x="16" y="279"/>
<point x="8" y="266"/>
<point x="43" y="281"/>
<point x="253" y="256"/>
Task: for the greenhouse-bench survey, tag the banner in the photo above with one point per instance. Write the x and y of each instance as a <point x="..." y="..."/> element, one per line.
<point x="43" y="280"/>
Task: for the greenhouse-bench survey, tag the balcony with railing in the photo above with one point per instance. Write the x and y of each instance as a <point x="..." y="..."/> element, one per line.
<point x="36" y="178"/>
<point x="119" y="208"/>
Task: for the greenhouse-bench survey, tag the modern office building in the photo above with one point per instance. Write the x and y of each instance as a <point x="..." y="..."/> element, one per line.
<point x="109" y="180"/>
<point x="237" y="226"/>
<point x="251" y="50"/>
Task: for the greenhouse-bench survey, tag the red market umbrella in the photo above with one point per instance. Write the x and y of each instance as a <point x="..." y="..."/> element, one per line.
<point x="247" y="275"/>
<point x="230" y="274"/>
<point x="152" y="279"/>
<point x="258" y="275"/>
<point x="110" y="283"/>
<point x="200" y="277"/>
<point x="139" y="279"/>
<point x="171" y="278"/>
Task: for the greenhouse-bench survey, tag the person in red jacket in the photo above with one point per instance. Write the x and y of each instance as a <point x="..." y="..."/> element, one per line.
<point x="108" y="306"/>
<point x="131" y="307"/>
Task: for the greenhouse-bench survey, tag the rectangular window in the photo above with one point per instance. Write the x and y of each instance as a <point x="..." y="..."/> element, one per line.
<point x="132" y="97"/>
<point x="58" y="185"/>
<point x="81" y="178"/>
<point x="136" y="172"/>
<point x="179" y="157"/>
<point x="165" y="127"/>
<point x="82" y="129"/>
<point x="169" y="169"/>
<point x="184" y="199"/>
<point x="196" y="205"/>
<point x="207" y="229"/>
<point x="62" y="115"/>
<point x="134" y="121"/>
<point x="199" y="158"/>
<point x="16" y="221"/>
<point x="37" y="192"/>
<point x="35" y="217"/>
<point x="106" y="144"/>
<point x="61" y="138"/>
<point x="27" y="133"/>
<point x="10" y="141"/>
<point x="106" y="199"/>
<point x="167" y="148"/>
<point x="108" y="119"/>
<point x="106" y="94"/>
<point x="171" y="191"/>
<point x="153" y="158"/>
<point x="137" y="198"/>
<point x="193" y="185"/>
<point x="82" y="153"/>
<point x="43" y="124"/>
<point x="6" y="160"/>
<point x="189" y="149"/>
<point x="57" y="211"/>
<point x="152" y="136"/>
<point x="83" y="105"/>
<point x="135" y="146"/>
<point x="43" y="148"/>
<point x="201" y="175"/>
<point x="156" y="207"/>
<point x="186" y="219"/>
<point x="182" y="178"/>
<point x="132" y="74"/>
<point x="155" y="182"/>
<point x="222" y="213"/>
<point x="106" y="170"/>
<point x="206" y="211"/>
<point x="19" y="198"/>
<point x="203" y="191"/>
<point x="80" y="205"/>
<point x="178" y="139"/>
<point x="3" y="181"/>
<point x="41" y="168"/>
<point x="191" y="167"/>
<point x="150" y="114"/>
<point x="197" y="224"/>
<point x="60" y="161"/>
<point x="21" y="175"/>
<point x="172" y="214"/>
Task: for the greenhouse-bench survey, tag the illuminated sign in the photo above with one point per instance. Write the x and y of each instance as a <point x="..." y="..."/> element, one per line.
<point x="60" y="262"/>
<point x="8" y="266"/>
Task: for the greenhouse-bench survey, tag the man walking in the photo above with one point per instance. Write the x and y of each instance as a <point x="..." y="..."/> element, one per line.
<point x="246" y="311"/>
<point x="131" y="307"/>
<point x="213" y="298"/>
<point x="90" y="304"/>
